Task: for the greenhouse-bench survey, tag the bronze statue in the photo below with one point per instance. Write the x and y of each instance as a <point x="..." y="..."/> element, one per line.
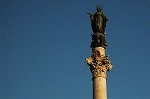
<point x="98" y="24"/>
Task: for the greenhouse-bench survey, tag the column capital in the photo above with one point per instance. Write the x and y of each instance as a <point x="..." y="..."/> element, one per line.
<point x="99" y="63"/>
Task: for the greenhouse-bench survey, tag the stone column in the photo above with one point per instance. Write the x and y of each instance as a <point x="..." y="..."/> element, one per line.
<point x="99" y="88"/>
<point x="99" y="64"/>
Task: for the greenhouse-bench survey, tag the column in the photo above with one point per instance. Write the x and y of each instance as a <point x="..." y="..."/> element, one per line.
<point x="99" y="64"/>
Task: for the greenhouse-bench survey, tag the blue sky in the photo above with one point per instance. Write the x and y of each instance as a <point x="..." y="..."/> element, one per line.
<point x="44" y="44"/>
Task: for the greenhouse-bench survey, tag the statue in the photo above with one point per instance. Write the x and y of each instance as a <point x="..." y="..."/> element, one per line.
<point x="98" y="24"/>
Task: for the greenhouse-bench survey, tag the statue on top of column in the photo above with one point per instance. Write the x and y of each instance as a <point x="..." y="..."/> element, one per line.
<point x="98" y="24"/>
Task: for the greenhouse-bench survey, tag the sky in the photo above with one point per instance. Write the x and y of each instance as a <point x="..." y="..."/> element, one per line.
<point x="44" y="43"/>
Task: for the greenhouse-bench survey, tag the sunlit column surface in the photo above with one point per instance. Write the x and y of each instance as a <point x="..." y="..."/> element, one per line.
<point x="99" y="65"/>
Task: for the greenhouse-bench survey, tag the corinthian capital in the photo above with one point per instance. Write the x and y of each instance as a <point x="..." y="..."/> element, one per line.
<point x="99" y="63"/>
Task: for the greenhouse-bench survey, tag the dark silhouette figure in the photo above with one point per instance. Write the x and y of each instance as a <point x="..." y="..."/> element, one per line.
<point x="98" y="24"/>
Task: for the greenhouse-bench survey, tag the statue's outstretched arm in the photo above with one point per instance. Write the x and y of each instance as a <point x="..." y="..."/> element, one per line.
<point x="91" y="16"/>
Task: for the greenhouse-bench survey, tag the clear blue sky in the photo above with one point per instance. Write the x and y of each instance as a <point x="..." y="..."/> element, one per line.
<point x="44" y="44"/>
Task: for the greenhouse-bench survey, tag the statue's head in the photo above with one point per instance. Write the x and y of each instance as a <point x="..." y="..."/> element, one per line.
<point x="99" y="8"/>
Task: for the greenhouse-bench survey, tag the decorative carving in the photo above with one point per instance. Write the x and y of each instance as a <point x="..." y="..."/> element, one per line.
<point x="98" y="71"/>
<point x="99" y="63"/>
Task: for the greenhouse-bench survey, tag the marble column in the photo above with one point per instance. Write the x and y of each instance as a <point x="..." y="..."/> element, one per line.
<point x="99" y="64"/>
<point x="99" y="88"/>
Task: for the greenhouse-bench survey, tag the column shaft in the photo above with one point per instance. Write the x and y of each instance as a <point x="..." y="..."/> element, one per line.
<point x="99" y="88"/>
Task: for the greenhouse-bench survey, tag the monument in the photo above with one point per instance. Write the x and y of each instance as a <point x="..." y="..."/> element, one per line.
<point x="99" y="62"/>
